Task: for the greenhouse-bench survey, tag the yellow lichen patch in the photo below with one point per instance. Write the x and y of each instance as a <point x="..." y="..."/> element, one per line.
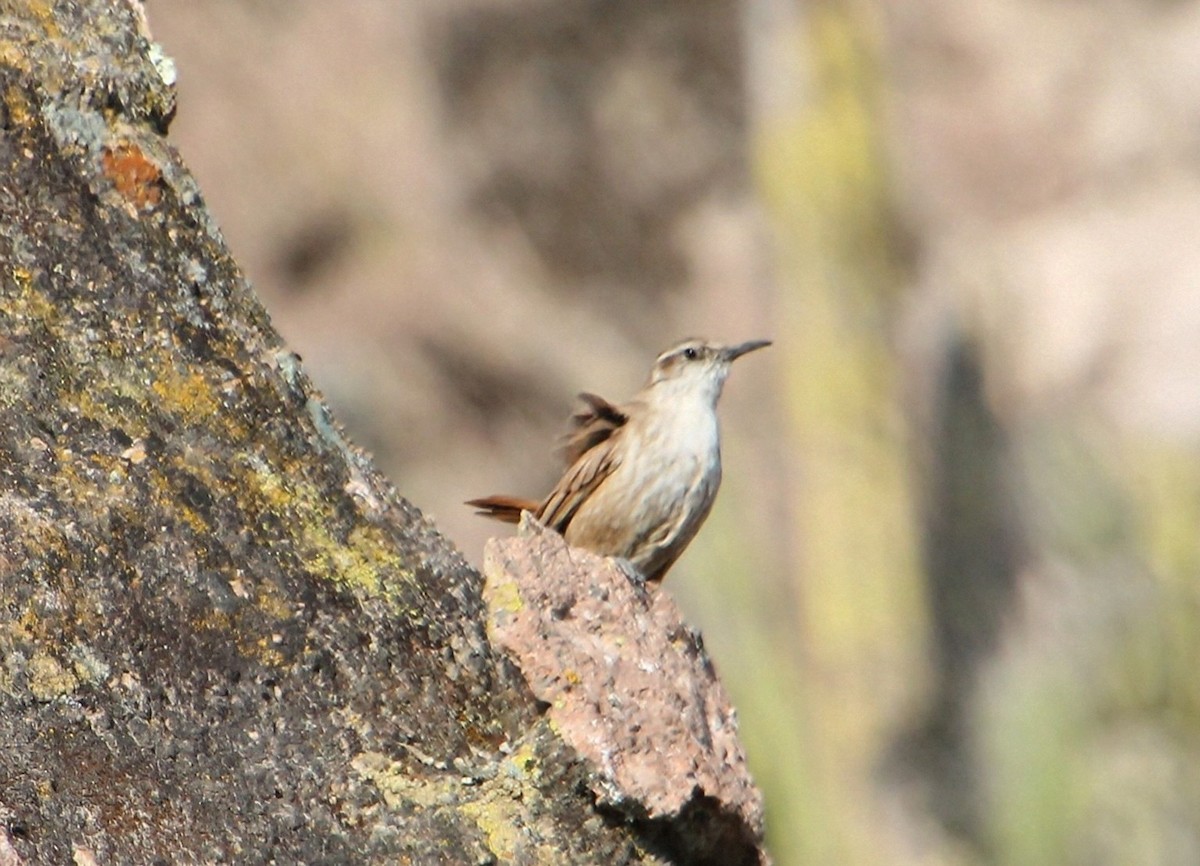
<point x="246" y="632"/>
<point x="23" y="277"/>
<point x="36" y="531"/>
<point x="46" y="16"/>
<point x="29" y="303"/>
<point x="523" y="762"/>
<point x="187" y="395"/>
<point x="495" y="806"/>
<point x="213" y="620"/>
<point x="192" y="519"/>
<point x="273" y="603"/>
<point x="48" y="679"/>
<point x="7" y="686"/>
<point x="397" y="786"/>
<point x="503" y="594"/>
<point x="271" y="487"/>
<point x="358" y="564"/>
<point x="498" y="818"/>
<point x="14" y="57"/>
<point x="28" y="626"/>
<point x="19" y="111"/>
<point x="365" y="562"/>
<point x="93" y="404"/>
<point x="55" y="611"/>
<point x="267" y="652"/>
<point x="371" y="542"/>
<point x="328" y="557"/>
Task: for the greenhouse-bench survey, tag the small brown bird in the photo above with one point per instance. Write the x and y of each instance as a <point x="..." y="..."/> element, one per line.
<point x="641" y="477"/>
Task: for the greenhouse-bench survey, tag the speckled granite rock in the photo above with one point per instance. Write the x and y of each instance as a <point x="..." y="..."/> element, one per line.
<point x="627" y="685"/>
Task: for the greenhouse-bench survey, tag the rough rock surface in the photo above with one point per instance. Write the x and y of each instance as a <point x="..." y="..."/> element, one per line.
<point x="223" y="635"/>
<point x="627" y="685"/>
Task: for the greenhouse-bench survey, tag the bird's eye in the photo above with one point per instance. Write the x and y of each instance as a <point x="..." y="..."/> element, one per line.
<point x="690" y="353"/>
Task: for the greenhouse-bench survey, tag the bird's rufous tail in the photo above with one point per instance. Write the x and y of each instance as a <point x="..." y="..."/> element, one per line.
<point x="505" y="508"/>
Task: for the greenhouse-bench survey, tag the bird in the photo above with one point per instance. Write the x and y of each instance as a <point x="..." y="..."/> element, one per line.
<point x="640" y="476"/>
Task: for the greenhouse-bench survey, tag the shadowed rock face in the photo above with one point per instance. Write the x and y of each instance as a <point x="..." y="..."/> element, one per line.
<point x="224" y="636"/>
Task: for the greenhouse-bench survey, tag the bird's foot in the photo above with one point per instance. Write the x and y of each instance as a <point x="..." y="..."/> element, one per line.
<point x="630" y="571"/>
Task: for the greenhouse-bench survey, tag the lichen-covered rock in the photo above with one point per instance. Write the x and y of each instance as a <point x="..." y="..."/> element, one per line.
<point x="223" y="635"/>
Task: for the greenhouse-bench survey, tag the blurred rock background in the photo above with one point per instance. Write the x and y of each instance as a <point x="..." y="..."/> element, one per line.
<point x="952" y="577"/>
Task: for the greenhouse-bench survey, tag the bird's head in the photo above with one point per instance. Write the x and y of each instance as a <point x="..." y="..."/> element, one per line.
<point x="698" y="366"/>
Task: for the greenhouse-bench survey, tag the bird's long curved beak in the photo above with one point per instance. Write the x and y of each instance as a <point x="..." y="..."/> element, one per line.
<point x="733" y="352"/>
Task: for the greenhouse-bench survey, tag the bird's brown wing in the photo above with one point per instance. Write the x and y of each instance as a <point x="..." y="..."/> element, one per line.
<point x="590" y="426"/>
<point x="504" y="508"/>
<point x="587" y="449"/>
<point x="580" y="480"/>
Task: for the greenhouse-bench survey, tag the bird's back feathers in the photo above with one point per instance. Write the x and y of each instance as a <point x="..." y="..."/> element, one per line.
<point x="587" y="452"/>
<point x="590" y="426"/>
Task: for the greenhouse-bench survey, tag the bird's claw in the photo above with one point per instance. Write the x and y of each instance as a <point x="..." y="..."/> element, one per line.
<point x="630" y="571"/>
